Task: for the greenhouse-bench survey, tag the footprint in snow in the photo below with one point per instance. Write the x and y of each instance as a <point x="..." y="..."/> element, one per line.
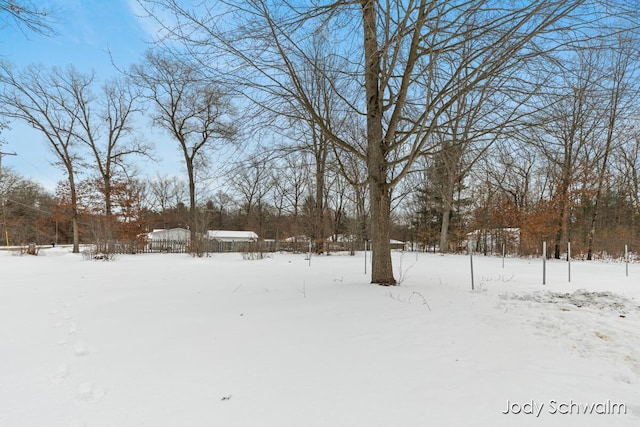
<point x="80" y="349"/>
<point x="62" y="372"/>
<point x="90" y="392"/>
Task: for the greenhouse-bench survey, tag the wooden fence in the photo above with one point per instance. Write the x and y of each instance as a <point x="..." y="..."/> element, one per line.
<point x="214" y="246"/>
<point x="181" y="246"/>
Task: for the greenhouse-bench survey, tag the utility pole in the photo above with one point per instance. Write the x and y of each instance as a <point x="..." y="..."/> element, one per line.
<point x="2" y="153"/>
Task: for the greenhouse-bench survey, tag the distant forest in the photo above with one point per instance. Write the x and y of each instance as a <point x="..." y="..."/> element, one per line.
<point x="496" y="123"/>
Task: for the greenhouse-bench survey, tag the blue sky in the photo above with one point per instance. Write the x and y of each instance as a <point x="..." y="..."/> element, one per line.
<point x="87" y="31"/>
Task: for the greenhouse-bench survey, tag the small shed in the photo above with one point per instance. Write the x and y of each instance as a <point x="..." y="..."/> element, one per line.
<point x="180" y="234"/>
<point x="232" y="236"/>
<point x="232" y="240"/>
<point x="168" y="240"/>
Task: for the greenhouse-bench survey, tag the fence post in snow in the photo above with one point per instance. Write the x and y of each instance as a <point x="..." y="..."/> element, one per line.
<point x="309" y="253"/>
<point x="365" y="257"/>
<point x="503" y="254"/>
<point x="569" y="259"/>
<point x="544" y="262"/>
<point x="471" y="262"/>
<point x="626" y="259"/>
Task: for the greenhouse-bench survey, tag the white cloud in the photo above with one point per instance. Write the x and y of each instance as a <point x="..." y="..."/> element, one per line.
<point x="148" y="24"/>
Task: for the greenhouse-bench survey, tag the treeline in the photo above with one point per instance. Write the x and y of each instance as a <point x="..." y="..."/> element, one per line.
<point x="489" y="122"/>
<point x="566" y="172"/>
<point x="273" y="197"/>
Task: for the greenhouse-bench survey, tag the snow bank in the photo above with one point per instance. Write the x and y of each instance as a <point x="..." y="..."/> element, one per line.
<point x="169" y="340"/>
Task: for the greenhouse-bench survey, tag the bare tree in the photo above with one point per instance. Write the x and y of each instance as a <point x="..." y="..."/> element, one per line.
<point x="620" y="91"/>
<point x="567" y="129"/>
<point x="26" y="210"/>
<point x="470" y="125"/>
<point x="290" y="184"/>
<point x="252" y="183"/>
<point x="46" y="100"/>
<point x="167" y="196"/>
<point x="166" y="192"/>
<point x="195" y="111"/>
<point x="318" y="146"/>
<point x="27" y="14"/>
<point x="337" y="200"/>
<point x="408" y="61"/>
<point x="8" y="181"/>
<point x="108" y="134"/>
<point x="222" y="204"/>
<point x="629" y="166"/>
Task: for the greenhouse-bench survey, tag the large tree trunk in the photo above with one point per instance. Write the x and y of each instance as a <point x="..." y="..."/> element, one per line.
<point x="76" y="234"/>
<point x="619" y="77"/>
<point x="601" y="182"/>
<point x="447" y="207"/>
<point x="108" y="206"/>
<point x="318" y="207"/>
<point x="74" y="210"/>
<point x="444" y="230"/>
<point x="192" y="198"/>
<point x="381" y="267"/>
<point x="562" y="232"/>
<point x="592" y="229"/>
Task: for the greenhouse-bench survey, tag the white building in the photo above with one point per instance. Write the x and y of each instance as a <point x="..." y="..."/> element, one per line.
<point x="168" y="240"/>
<point x="176" y="234"/>
<point x="232" y="236"/>
<point x="232" y="241"/>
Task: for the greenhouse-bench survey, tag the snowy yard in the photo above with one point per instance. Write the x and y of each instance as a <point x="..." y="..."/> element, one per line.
<point x="168" y="340"/>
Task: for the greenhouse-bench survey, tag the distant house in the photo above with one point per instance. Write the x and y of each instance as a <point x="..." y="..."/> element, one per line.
<point x="232" y="240"/>
<point x="168" y="240"/>
<point x="299" y="238"/>
<point x="342" y="238"/>
<point x="178" y="234"/>
<point x="232" y="236"/>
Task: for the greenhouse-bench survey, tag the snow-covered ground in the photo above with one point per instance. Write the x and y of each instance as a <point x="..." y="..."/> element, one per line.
<point x="168" y="340"/>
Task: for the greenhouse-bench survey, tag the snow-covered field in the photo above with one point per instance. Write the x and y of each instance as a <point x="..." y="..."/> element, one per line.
<point x="168" y="340"/>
